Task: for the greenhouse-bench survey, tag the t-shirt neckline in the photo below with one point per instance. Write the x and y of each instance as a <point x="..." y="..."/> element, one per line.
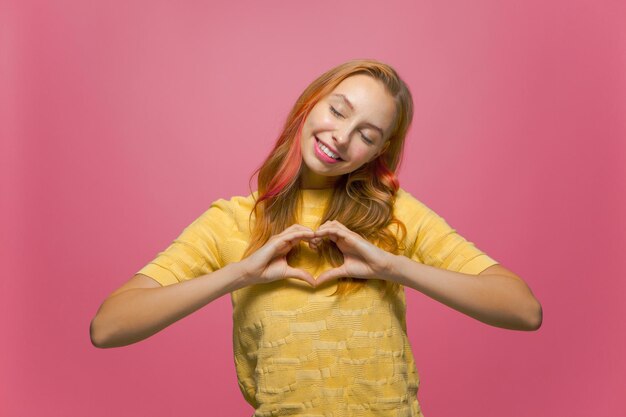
<point x="315" y="196"/>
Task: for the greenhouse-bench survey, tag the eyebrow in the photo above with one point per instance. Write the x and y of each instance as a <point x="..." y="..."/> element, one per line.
<point x="345" y="99"/>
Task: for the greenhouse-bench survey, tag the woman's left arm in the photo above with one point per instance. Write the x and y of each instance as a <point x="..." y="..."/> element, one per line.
<point x="496" y="296"/>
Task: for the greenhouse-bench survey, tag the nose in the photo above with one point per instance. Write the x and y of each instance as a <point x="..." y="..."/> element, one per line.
<point x="341" y="134"/>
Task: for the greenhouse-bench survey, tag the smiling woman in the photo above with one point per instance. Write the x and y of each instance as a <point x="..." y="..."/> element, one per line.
<point x="342" y="132"/>
<point x="317" y="261"/>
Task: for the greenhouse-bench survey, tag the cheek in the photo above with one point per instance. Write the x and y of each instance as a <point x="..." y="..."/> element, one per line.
<point x="362" y="155"/>
<point x="320" y="120"/>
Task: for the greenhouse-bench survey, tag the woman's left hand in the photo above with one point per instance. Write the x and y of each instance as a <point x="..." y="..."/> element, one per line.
<point x="361" y="258"/>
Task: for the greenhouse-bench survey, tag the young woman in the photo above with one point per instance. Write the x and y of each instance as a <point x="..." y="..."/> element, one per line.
<point x="317" y="259"/>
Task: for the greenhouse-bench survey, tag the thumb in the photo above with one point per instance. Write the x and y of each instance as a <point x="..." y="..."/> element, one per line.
<point x="331" y="274"/>
<point x="302" y="275"/>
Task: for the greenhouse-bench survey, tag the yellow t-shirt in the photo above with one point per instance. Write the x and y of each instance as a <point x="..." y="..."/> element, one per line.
<point x="299" y="352"/>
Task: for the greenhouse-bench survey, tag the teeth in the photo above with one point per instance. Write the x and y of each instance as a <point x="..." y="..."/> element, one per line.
<point x="328" y="151"/>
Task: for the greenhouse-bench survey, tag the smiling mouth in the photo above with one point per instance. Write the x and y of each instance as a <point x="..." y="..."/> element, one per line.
<point x="318" y="142"/>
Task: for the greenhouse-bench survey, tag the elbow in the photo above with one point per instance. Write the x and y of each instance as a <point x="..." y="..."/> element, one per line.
<point x="97" y="335"/>
<point x="535" y="317"/>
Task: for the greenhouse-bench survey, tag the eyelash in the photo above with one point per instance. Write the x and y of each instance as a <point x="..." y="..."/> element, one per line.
<point x="336" y="113"/>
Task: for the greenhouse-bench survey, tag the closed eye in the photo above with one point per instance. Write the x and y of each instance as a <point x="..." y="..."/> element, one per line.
<point x="335" y="112"/>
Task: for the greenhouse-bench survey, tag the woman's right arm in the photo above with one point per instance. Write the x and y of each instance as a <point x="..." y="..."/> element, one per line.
<point x="142" y="307"/>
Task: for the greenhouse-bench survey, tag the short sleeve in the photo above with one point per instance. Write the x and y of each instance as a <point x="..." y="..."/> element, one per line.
<point x="196" y="251"/>
<point x="432" y="241"/>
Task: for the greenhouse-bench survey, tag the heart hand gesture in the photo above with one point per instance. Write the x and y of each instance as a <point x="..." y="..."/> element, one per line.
<point x="362" y="259"/>
<point x="269" y="263"/>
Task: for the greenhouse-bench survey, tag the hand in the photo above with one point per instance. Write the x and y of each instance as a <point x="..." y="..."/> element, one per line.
<point x="269" y="262"/>
<point x="361" y="258"/>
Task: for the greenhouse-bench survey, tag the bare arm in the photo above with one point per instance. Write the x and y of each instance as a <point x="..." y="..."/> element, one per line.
<point x="142" y="307"/>
<point x="496" y="296"/>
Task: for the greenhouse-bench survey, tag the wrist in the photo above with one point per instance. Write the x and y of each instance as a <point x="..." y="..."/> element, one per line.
<point x="242" y="276"/>
<point x="393" y="268"/>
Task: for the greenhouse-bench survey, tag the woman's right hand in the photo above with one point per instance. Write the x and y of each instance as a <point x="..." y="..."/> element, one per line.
<point x="269" y="262"/>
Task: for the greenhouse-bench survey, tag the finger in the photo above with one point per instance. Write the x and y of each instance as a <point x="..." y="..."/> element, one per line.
<point x="330" y="275"/>
<point x="285" y="242"/>
<point x="327" y="224"/>
<point x="288" y="233"/>
<point x="304" y="232"/>
<point x="333" y="223"/>
<point x="301" y="275"/>
<point x="332" y="233"/>
<point x="290" y="230"/>
<point x="292" y="237"/>
<point x="315" y="241"/>
<point x="297" y="226"/>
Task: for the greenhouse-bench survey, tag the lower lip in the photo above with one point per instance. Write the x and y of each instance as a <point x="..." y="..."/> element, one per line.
<point x="322" y="156"/>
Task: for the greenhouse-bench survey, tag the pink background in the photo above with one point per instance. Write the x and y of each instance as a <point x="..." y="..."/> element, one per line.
<point x="122" y="121"/>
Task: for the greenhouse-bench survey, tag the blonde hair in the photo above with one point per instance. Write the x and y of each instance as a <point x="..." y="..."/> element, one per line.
<point x="361" y="200"/>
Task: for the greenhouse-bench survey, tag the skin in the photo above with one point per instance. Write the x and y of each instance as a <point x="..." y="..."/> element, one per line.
<point x="346" y="130"/>
<point x="497" y="296"/>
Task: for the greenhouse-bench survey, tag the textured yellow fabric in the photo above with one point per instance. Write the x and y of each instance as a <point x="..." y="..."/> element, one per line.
<point x="299" y="352"/>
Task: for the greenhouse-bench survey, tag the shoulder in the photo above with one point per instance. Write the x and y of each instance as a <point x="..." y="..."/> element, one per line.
<point x="406" y="206"/>
<point x="411" y="210"/>
<point x="233" y="212"/>
<point x="235" y="204"/>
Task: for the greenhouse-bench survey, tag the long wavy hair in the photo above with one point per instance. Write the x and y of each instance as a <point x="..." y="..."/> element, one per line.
<point x="361" y="200"/>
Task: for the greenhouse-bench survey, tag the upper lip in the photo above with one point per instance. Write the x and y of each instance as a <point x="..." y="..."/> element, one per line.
<point x="333" y="150"/>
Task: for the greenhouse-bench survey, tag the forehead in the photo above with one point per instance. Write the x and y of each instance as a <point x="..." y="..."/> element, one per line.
<point x="369" y="98"/>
